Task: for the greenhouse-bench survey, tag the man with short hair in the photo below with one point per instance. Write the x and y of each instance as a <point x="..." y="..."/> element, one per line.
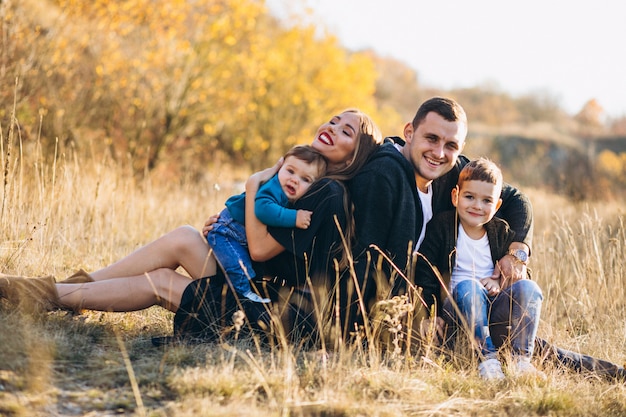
<point x="397" y="192"/>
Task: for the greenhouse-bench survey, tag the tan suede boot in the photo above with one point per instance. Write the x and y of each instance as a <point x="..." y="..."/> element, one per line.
<point x="80" y="277"/>
<point x="30" y="295"/>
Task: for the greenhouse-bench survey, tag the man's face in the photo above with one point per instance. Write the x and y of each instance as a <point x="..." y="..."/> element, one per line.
<point x="433" y="147"/>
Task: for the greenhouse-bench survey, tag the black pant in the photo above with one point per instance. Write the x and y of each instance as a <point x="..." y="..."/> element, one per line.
<point x="578" y="361"/>
<point x="209" y="305"/>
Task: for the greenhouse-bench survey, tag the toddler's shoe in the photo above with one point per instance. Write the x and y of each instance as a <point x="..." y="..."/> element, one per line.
<point x="252" y="296"/>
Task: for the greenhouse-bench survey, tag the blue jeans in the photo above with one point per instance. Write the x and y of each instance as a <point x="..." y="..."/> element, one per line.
<point x="512" y="315"/>
<point x="230" y="247"/>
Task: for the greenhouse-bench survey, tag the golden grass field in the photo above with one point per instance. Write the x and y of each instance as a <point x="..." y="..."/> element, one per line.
<point x="76" y="213"/>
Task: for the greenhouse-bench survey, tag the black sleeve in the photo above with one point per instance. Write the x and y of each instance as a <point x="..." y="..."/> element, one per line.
<point x="375" y="211"/>
<point x="517" y="210"/>
<point x="386" y="214"/>
<point x="432" y="259"/>
<point x="321" y="242"/>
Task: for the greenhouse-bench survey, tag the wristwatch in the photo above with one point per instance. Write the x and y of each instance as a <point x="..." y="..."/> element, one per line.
<point x="519" y="254"/>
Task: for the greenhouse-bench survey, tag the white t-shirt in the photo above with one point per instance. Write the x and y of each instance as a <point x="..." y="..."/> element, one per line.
<point x="473" y="259"/>
<point x="427" y="208"/>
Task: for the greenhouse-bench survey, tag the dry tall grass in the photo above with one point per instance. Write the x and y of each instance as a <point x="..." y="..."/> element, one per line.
<point x="72" y="213"/>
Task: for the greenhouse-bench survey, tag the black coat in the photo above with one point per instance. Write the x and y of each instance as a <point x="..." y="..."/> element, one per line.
<point x="388" y="214"/>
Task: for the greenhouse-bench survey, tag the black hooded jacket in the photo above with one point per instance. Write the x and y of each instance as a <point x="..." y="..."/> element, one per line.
<point x="388" y="214"/>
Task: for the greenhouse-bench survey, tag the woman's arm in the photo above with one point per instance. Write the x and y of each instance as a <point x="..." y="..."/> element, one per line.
<point x="261" y="245"/>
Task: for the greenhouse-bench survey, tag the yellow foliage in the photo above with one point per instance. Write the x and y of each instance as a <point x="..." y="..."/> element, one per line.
<point x="220" y="71"/>
<point x="611" y="163"/>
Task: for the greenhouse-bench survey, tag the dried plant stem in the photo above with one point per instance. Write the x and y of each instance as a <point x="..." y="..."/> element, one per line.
<point x="141" y="410"/>
<point x="7" y="157"/>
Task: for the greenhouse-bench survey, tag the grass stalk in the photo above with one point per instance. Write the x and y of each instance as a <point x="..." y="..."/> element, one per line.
<point x="141" y="410"/>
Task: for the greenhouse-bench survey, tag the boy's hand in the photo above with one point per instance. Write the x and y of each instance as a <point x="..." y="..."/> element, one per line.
<point x="303" y="219"/>
<point x="491" y="285"/>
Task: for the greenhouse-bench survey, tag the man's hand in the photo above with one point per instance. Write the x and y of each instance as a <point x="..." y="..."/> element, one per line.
<point x="508" y="270"/>
<point x="434" y="326"/>
<point x="303" y="219"/>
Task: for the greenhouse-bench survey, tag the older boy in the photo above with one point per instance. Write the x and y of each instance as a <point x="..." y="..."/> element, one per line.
<point x="464" y="246"/>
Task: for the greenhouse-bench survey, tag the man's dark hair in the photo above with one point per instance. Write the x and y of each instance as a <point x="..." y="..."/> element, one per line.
<point x="445" y="107"/>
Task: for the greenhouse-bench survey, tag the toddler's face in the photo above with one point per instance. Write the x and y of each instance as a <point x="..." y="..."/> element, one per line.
<point x="296" y="176"/>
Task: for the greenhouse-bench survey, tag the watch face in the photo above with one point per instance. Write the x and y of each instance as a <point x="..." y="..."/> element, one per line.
<point x="521" y="255"/>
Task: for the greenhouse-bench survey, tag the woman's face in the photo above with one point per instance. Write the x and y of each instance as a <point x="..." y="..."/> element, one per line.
<point x="336" y="139"/>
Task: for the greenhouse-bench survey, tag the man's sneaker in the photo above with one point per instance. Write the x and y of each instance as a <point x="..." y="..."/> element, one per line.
<point x="521" y="367"/>
<point x="491" y="370"/>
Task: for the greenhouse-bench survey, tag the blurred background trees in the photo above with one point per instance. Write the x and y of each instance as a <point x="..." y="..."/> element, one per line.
<point x="178" y="86"/>
<point x="152" y="80"/>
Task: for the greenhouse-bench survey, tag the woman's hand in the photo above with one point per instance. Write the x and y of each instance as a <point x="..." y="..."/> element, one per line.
<point x="261" y="245"/>
<point x="254" y="182"/>
<point x="208" y="225"/>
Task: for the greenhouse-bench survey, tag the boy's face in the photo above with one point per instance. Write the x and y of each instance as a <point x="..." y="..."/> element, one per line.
<point x="476" y="202"/>
<point x="296" y="176"/>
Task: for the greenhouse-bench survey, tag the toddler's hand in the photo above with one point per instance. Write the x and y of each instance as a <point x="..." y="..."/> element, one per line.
<point x="303" y="219"/>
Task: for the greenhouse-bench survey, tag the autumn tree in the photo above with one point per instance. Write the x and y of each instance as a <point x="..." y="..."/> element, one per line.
<point x="590" y="119"/>
<point x="618" y="126"/>
<point x="293" y="85"/>
<point x="486" y="104"/>
<point x="21" y="49"/>
<point x="161" y="68"/>
<point x="146" y="78"/>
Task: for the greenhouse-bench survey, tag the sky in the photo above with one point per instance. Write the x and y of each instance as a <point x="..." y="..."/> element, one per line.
<point x="569" y="50"/>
